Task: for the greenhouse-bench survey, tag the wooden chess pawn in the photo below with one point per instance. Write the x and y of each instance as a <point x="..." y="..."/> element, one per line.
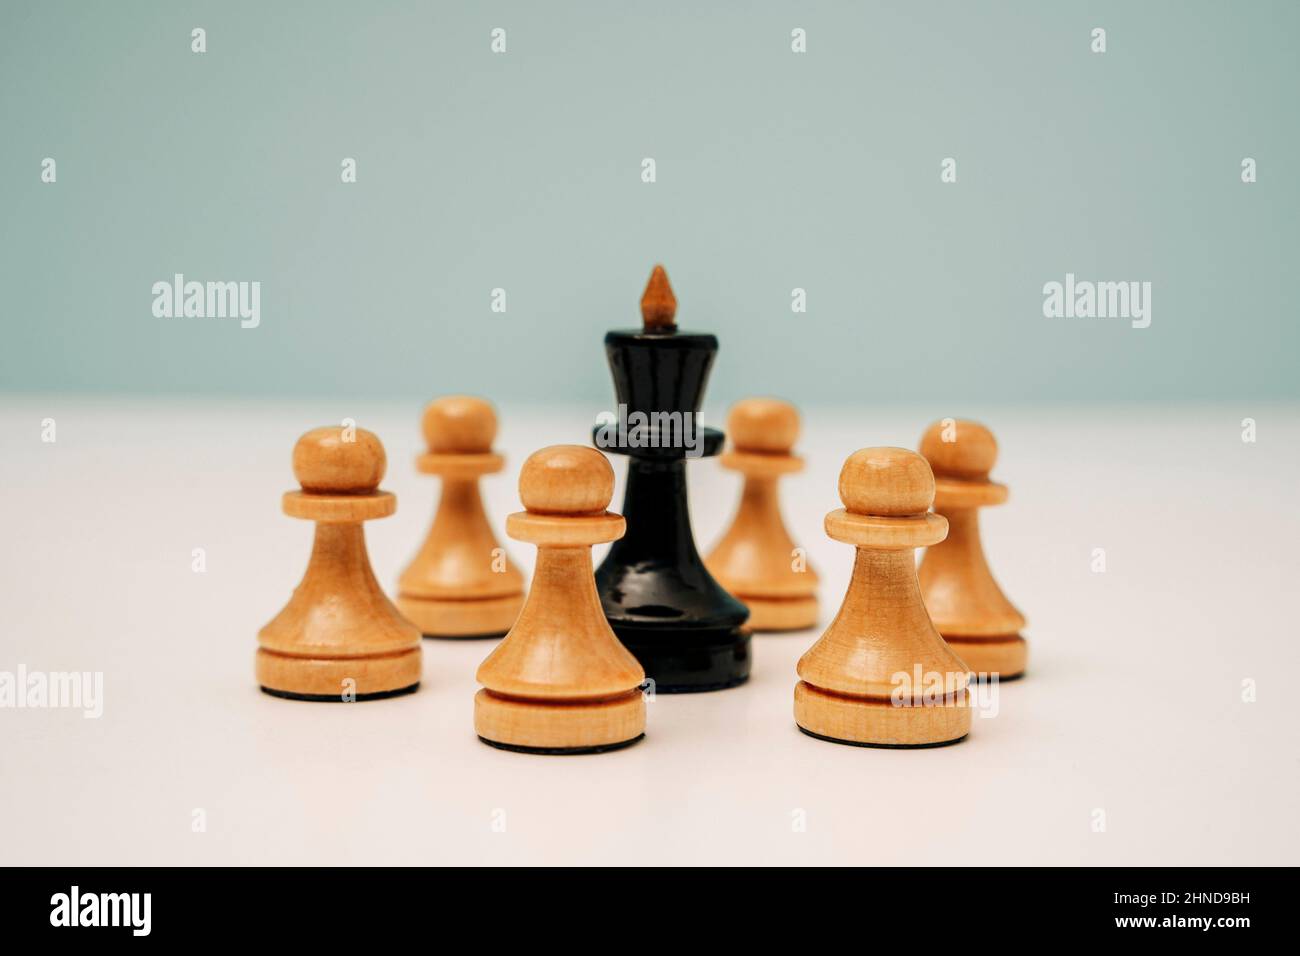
<point x="339" y="637"/>
<point x="461" y="584"/>
<point x="561" y="682"/>
<point x="881" y="675"/>
<point x="756" y="559"/>
<point x="967" y="606"/>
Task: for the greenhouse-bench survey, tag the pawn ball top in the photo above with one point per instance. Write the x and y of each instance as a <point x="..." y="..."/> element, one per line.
<point x="959" y="449"/>
<point x="763" y="425"/>
<point x="459" y="424"/>
<point x="658" y="304"/>
<point x="566" y="480"/>
<point x="339" y="461"/>
<point x="890" y="482"/>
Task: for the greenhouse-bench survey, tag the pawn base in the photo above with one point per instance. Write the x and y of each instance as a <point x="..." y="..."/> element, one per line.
<point x="338" y="678"/>
<point x="339" y="698"/>
<point x="689" y="661"/>
<point x="563" y="751"/>
<point x="779" y="614"/>
<point x="860" y="743"/>
<point x="559" y="726"/>
<point x="1005" y="656"/>
<point x="878" y="723"/>
<point x="465" y="618"/>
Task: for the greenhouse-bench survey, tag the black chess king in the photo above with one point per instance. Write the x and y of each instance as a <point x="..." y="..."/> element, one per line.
<point x="684" y="628"/>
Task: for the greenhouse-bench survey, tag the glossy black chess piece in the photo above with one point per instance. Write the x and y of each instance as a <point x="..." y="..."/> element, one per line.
<point x="661" y="601"/>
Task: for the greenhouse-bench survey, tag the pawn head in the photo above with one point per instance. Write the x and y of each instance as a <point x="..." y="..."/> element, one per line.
<point x="890" y="482"/>
<point x="459" y="424"/>
<point x="763" y="425"/>
<point x="959" y="449"/>
<point x="566" y="480"/>
<point x="339" y="461"/>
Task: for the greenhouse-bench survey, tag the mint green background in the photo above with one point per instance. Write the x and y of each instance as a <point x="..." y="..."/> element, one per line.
<point x="775" y="170"/>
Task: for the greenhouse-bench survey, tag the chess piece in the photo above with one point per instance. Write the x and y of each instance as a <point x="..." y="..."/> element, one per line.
<point x="881" y="675"/>
<point x="966" y="604"/>
<point x="756" y="560"/>
<point x="560" y="682"/>
<point x="663" y="604"/>
<point x="339" y="637"/>
<point x="461" y="584"/>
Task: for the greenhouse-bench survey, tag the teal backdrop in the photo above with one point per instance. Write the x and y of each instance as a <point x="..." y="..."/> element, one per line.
<point x="775" y="170"/>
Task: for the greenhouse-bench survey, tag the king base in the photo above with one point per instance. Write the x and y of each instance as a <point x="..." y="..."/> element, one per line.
<point x="689" y="662"/>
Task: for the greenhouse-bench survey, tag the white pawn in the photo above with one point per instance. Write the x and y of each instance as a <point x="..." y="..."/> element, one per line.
<point x="881" y="675"/>
<point x="561" y="682"/>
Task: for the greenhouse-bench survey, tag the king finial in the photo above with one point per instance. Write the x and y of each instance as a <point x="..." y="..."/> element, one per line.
<point x="658" y="304"/>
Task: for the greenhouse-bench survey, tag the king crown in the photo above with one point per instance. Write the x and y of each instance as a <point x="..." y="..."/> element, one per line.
<point x="658" y="304"/>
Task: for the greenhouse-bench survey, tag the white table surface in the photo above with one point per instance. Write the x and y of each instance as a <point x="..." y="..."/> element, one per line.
<point x="1133" y="704"/>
